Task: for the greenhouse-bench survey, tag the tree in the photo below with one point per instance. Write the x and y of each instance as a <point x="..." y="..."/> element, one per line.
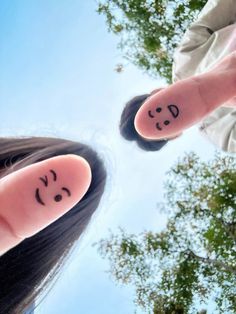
<point x="195" y="255"/>
<point x="149" y="31"/>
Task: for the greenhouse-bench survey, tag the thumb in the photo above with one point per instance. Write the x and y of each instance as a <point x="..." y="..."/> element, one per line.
<point x="33" y="197"/>
<point x="186" y="102"/>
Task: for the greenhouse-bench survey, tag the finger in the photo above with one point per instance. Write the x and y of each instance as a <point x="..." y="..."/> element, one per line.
<point x="35" y="196"/>
<point x="157" y="90"/>
<point x="185" y="103"/>
<point x="169" y="111"/>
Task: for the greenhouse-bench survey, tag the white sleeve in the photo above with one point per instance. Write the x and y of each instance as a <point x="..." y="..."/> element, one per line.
<point x="200" y="38"/>
<point x="220" y="129"/>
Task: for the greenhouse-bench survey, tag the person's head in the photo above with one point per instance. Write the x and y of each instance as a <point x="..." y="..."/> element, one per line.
<point x="26" y="269"/>
<point x="127" y="124"/>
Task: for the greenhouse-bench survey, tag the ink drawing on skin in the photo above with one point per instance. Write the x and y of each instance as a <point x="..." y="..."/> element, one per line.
<point x="173" y="109"/>
<point x="57" y="197"/>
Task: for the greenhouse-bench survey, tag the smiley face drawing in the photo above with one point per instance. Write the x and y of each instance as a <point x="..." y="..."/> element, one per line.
<point x="174" y="111"/>
<point x="57" y="197"/>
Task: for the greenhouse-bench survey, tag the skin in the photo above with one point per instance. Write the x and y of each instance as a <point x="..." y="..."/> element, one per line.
<point x="174" y="136"/>
<point x="171" y="110"/>
<point x="22" y="214"/>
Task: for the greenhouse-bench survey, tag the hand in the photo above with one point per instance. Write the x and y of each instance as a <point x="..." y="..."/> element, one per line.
<point x="35" y="196"/>
<point x="181" y="105"/>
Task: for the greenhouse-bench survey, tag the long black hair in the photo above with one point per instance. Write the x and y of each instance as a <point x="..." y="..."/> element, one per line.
<point x="127" y="128"/>
<point x="28" y="268"/>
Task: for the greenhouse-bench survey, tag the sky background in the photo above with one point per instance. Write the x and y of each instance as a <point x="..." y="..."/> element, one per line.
<point x="57" y="79"/>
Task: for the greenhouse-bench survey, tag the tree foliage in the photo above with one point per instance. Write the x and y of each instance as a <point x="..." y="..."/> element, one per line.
<point x="150" y="30"/>
<point x="195" y="255"/>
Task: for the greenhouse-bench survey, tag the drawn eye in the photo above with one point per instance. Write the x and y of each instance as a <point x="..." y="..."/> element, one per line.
<point x="44" y="180"/>
<point x="54" y="175"/>
<point x="58" y="198"/>
<point x="166" y="122"/>
<point x="158" y="109"/>
<point x="67" y="191"/>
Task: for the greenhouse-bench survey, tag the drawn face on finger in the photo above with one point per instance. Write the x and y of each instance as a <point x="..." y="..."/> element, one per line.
<point x="158" y="115"/>
<point x="48" y="181"/>
<point x="156" y="121"/>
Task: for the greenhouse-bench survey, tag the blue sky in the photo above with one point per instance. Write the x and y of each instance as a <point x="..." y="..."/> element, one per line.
<point x="57" y="78"/>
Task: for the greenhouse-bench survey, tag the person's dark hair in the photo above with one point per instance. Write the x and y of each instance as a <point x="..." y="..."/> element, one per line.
<point x="25" y="268"/>
<point x="127" y="128"/>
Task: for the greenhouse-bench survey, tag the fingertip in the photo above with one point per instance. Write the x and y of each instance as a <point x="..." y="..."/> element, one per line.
<point x="36" y="195"/>
<point x="82" y="173"/>
<point x="140" y="124"/>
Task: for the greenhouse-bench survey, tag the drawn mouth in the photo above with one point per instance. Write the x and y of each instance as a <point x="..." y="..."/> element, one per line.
<point x="150" y="114"/>
<point x="174" y="110"/>
<point x="38" y="198"/>
<point x="158" y="126"/>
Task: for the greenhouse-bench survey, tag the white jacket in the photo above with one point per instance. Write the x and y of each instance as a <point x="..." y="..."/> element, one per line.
<point x="208" y="40"/>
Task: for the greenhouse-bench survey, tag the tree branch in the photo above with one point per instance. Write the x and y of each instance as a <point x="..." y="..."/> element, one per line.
<point x="226" y="225"/>
<point x="213" y="262"/>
